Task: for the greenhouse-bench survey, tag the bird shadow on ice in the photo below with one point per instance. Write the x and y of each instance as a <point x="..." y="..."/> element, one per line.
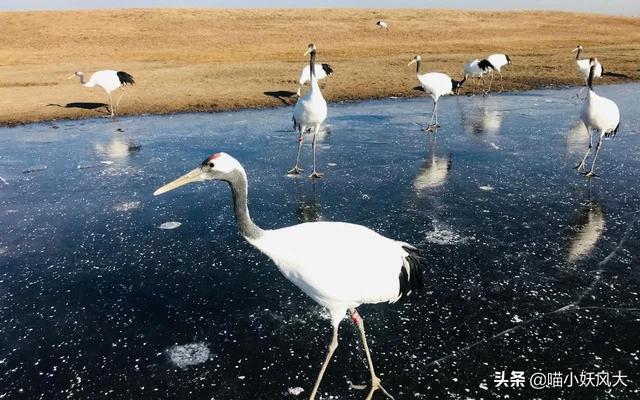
<point x="285" y="96"/>
<point x="82" y="105"/>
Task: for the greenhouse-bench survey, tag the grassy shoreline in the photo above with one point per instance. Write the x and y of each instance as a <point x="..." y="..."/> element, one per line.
<point x="195" y="60"/>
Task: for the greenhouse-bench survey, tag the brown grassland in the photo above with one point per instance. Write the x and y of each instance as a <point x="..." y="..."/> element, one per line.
<point x="219" y="59"/>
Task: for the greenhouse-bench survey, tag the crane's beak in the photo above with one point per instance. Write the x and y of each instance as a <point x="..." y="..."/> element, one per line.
<point x="71" y="76"/>
<point x="306" y="52"/>
<point x="411" y="62"/>
<point x="574" y="50"/>
<point x="192" y="176"/>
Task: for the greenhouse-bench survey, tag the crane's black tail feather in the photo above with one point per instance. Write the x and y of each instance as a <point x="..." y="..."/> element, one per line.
<point x="411" y="280"/>
<point x="613" y="132"/>
<point x="125" y="78"/>
<point x="327" y="69"/>
<point x="485" y="65"/>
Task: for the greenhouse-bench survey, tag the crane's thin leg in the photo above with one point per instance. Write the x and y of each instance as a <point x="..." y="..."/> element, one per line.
<point x="119" y="98"/>
<point x="299" y="88"/>
<point x="375" y="381"/>
<point x="332" y="348"/>
<point x="110" y="104"/>
<point x="591" y="173"/>
<point x="490" y="82"/>
<point x="501" y="85"/>
<point x="314" y="173"/>
<point x="296" y="170"/>
<point x="580" y="167"/>
<point x="430" y="127"/>
<point x="580" y="91"/>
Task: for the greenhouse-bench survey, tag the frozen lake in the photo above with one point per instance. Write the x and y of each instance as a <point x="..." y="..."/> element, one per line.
<point x="533" y="267"/>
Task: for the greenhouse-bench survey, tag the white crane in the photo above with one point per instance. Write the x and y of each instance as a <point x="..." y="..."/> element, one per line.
<point x="435" y="84"/>
<point x="382" y="25"/>
<point x="322" y="71"/>
<point x="338" y="264"/>
<point x="600" y="114"/>
<point x="584" y="68"/>
<point x="309" y="112"/>
<point x="498" y="61"/>
<point x="476" y="69"/>
<point x="109" y="80"/>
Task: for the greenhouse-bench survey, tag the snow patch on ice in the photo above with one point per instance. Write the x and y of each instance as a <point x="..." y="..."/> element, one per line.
<point x="187" y="355"/>
<point x="295" y="391"/>
<point x="127" y="206"/>
<point x="443" y="235"/>
<point x="170" y="225"/>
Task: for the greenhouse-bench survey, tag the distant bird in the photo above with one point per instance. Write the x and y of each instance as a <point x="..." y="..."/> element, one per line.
<point x="322" y="71"/>
<point x="109" y="80"/>
<point x="498" y="61"/>
<point x="476" y="69"/>
<point x="382" y="25"/>
<point x="584" y="68"/>
<point x="309" y="112"/>
<point x="600" y="114"/>
<point x="435" y="84"/>
<point x="338" y="264"/>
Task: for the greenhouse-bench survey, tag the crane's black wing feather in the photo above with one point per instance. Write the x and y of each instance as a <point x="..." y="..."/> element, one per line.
<point x="327" y="69"/>
<point x="411" y="280"/>
<point x="125" y="78"/>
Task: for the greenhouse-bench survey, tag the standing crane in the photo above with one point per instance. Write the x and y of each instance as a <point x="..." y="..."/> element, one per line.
<point x="435" y="84"/>
<point x="475" y="70"/>
<point x="600" y="114"/>
<point x="584" y="68"/>
<point x="382" y="25"/>
<point x="498" y="61"/>
<point x="309" y="112"/>
<point x="338" y="264"/>
<point x="109" y="80"/>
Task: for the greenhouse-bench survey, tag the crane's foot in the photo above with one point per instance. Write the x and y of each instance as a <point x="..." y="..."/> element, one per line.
<point x="295" y="171"/>
<point x="591" y="174"/>
<point x="316" y="175"/>
<point x="432" y="128"/>
<point x="376" y="385"/>
<point x="580" y="167"/>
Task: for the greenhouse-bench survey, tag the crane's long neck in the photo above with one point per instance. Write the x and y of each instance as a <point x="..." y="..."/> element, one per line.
<point x="239" y="189"/>
<point x="81" y="75"/>
<point x="312" y="64"/>
<point x="590" y="80"/>
<point x="578" y="54"/>
<point x="418" y="62"/>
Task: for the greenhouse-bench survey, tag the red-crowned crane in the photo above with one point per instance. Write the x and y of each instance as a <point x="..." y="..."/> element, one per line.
<point x="498" y="61"/>
<point x="338" y="264"/>
<point x="435" y="84"/>
<point x="599" y="114"/>
<point x="584" y="68"/>
<point x="109" y="80"/>
<point x="476" y="69"/>
<point x="309" y="112"/>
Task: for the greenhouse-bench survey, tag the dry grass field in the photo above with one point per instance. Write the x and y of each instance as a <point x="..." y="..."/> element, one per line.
<point x="216" y="59"/>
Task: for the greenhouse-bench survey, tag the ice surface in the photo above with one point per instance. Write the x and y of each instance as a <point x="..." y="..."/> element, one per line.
<point x="538" y="274"/>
